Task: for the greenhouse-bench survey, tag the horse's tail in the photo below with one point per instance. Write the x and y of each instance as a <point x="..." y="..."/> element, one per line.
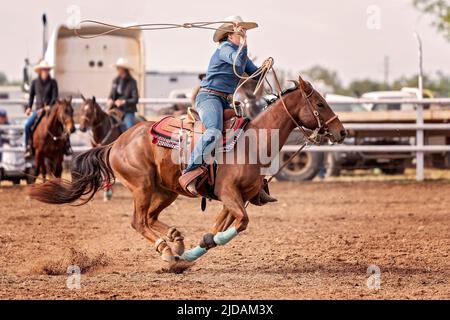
<point x="90" y="171"/>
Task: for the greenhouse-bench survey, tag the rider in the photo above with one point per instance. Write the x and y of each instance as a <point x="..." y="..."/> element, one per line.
<point x="43" y="93"/>
<point x="124" y="93"/>
<point x="216" y="89"/>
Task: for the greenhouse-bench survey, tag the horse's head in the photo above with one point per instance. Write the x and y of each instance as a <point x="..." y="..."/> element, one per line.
<point x="317" y="114"/>
<point x="65" y="115"/>
<point x="88" y="113"/>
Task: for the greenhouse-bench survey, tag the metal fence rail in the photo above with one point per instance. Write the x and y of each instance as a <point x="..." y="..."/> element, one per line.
<point x="419" y="148"/>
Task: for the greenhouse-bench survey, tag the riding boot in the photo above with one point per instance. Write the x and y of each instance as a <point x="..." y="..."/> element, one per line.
<point x="28" y="151"/>
<point x="188" y="179"/>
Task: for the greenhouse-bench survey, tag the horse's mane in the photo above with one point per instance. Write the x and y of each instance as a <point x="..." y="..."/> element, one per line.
<point x="277" y="97"/>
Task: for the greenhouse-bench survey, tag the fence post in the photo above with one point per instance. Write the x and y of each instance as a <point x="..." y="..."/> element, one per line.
<point x="419" y="121"/>
<point x="419" y="143"/>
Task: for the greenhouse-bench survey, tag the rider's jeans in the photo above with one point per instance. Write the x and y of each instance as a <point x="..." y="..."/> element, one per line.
<point x="28" y="124"/>
<point x="210" y="109"/>
<point x="128" y="120"/>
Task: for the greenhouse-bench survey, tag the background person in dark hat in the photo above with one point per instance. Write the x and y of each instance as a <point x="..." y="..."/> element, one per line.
<point x="124" y="93"/>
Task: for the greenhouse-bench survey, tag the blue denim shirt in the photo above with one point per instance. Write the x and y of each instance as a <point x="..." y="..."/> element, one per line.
<point x="220" y="75"/>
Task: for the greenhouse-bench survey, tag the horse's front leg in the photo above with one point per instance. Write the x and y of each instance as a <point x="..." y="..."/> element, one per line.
<point x="58" y="167"/>
<point x="234" y="210"/>
<point x="39" y="162"/>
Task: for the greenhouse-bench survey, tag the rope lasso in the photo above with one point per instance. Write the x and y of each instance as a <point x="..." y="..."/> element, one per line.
<point x="111" y="28"/>
<point x="146" y="27"/>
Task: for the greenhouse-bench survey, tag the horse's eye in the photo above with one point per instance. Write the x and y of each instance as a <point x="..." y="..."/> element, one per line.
<point x="321" y="105"/>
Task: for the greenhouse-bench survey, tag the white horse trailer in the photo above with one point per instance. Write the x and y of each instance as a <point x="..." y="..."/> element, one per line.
<point x="86" y="65"/>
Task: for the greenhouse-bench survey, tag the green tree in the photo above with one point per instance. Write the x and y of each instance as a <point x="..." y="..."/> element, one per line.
<point x="328" y="77"/>
<point x="438" y="83"/>
<point x="440" y="10"/>
<point x="358" y="87"/>
<point x="3" y="79"/>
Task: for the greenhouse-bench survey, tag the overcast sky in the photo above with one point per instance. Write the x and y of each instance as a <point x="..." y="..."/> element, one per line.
<point x="297" y="33"/>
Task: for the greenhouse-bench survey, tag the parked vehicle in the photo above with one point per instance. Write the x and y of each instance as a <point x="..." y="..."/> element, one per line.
<point x="13" y="166"/>
<point x="308" y="165"/>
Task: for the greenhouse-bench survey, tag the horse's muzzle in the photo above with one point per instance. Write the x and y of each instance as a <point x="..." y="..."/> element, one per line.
<point x="338" y="138"/>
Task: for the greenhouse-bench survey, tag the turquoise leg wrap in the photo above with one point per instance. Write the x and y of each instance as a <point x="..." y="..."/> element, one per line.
<point x="193" y="254"/>
<point x="222" y="238"/>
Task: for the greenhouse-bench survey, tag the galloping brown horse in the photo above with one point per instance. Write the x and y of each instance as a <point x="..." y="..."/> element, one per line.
<point x="50" y="138"/>
<point x="148" y="171"/>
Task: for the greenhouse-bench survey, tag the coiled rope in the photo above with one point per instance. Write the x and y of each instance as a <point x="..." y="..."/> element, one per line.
<point x="260" y="73"/>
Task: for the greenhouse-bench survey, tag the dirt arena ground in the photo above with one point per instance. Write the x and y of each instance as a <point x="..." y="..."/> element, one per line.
<point x="316" y="242"/>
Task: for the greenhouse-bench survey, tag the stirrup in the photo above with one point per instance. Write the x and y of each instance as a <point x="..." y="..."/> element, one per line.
<point x="187" y="180"/>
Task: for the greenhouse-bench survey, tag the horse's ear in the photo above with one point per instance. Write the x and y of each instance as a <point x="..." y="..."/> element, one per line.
<point x="69" y="101"/>
<point x="82" y="97"/>
<point x="303" y="84"/>
<point x="93" y="100"/>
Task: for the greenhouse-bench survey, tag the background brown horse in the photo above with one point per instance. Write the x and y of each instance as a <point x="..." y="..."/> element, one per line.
<point x="50" y="138"/>
<point x="148" y="171"/>
<point x="104" y="128"/>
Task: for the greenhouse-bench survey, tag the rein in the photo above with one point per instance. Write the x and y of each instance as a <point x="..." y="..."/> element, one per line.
<point x="63" y="136"/>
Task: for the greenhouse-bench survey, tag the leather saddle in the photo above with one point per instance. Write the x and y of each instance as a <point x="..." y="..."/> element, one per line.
<point x="172" y="132"/>
<point x="183" y="133"/>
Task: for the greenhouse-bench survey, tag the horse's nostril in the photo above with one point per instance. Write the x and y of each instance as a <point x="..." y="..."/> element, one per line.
<point x="343" y="133"/>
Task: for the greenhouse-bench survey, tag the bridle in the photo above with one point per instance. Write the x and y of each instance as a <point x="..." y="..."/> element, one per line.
<point x="62" y="136"/>
<point x="321" y="130"/>
<point x="112" y="126"/>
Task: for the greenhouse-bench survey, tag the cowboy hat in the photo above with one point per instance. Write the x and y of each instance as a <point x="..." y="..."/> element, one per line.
<point x="42" y="65"/>
<point x="123" y="63"/>
<point x="228" y="26"/>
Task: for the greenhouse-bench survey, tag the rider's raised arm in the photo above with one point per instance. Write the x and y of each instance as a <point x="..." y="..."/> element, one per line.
<point x="250" y="68"/>
<point x="228" y="54"/>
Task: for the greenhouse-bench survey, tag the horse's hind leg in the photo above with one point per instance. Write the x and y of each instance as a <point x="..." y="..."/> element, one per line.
<point x="147" y="205"/>
<point x="172" y="234"/>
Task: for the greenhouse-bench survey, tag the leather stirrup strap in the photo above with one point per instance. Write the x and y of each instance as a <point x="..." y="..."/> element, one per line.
<point x="187" y="179"/>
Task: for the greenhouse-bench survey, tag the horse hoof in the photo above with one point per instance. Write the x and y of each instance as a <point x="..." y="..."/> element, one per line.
<point x="178" y="247"/>
<point x="179" y="266"/>
<point x="168" y="256"/>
